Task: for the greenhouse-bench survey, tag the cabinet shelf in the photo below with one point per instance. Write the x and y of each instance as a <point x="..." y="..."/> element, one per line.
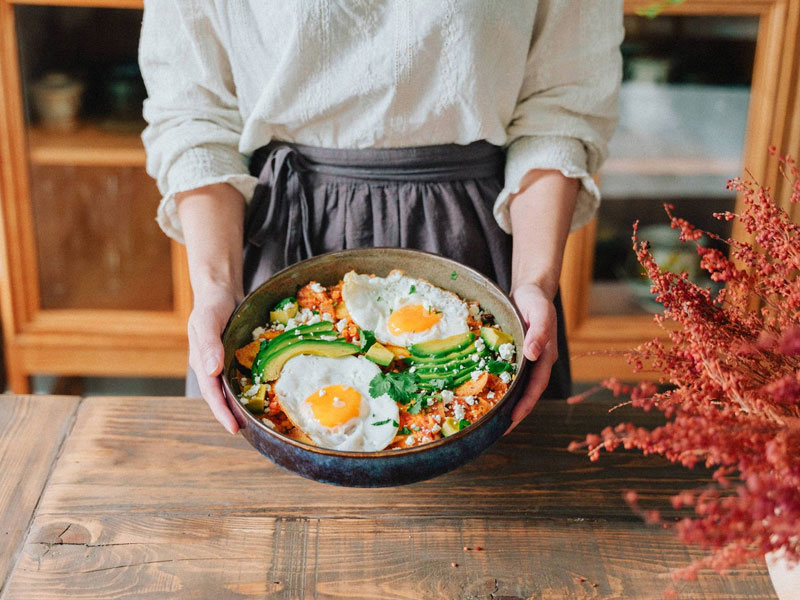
<point x="89" y="145"/>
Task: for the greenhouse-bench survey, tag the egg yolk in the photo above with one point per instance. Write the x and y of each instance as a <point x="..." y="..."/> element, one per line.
<point x="335" y="404"/>
<point x="412" y="318"/>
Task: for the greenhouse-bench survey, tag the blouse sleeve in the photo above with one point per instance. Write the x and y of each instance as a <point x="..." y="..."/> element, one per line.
<point x="194" y="124"/>
<point x="567" y="107"/>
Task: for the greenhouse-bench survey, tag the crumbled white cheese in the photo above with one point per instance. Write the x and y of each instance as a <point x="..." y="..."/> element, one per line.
<point x="257" y="332"/>
<point x="482" y="364"/>
<point x="413" y="369"/>
<point x="268" y="423"/>
<point x="257" y="379"/>
<point x="475" y="357"/>
<point x="279" y="327"/>
<point x="313" y="319"/>
<point x="410" y="440"/>
<point x="341" y="324"/>
<point x="447" y="396"/>
<point x="437" y="418"/>
<point x="426" y="439"/>
<point x="328" y="338"/>
<point x="474" y="310"/>
<point x="243" y="381"/>
<point x="327" y="317"/>
<point x="252" y="391"/>
<point x="470" y="400"/>
<point x="505" y="376"/>
<point x="490" y="395"/>
<point x="243" y="400"/>
<point x="476" y="375"/>
<point x="436" y="427"/>
<point x="506" y="351"/>
<point x="316" y="288"/>
<point x="458" y="412"/>
<point x="480" y="345"/>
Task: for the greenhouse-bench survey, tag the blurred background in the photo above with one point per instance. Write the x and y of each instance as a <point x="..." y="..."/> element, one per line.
<point x="95" y="298"/>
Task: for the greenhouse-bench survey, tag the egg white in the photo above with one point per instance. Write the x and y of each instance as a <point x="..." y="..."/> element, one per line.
<point x="304" y="375"/>
<point x="371" y="301"/>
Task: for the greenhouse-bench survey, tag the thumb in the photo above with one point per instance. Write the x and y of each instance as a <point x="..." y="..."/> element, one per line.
<point x="208" y="345"/>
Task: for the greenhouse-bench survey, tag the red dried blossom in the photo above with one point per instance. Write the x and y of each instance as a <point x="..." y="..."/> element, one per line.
<point x="732" y="380"/>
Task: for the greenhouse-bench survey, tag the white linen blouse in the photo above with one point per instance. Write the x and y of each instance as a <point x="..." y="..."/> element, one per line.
<point x="224" y="77"/>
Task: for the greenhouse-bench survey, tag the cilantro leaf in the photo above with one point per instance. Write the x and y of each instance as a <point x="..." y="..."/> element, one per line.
<point x="439" y="383"/>
<point x="404" y="431"/>
<point x="417" y="406"/>
<point x="367" y="338"/>
<point x="285" y="302"/>
<point x="453" y="275"/>
<point x="384" y="422"/>
<point x="463" y="423"/>
<point x="412" y="289"/>
<point x="395" y="423"/>
<point x="499" y="366"/>
<point x="400" y="387"/>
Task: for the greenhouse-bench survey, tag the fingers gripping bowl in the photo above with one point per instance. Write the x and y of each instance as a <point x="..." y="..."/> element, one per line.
<point x="430" y="452"/>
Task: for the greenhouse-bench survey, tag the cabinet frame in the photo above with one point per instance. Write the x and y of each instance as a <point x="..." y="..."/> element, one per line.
<point x="773" y="119"/>
<point x="70" y="342"/>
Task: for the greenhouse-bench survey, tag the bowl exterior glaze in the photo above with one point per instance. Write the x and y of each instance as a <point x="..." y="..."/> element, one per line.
<point x="388" y="467"/>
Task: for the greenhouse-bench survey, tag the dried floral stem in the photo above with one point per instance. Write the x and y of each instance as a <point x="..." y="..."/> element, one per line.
<point x="734" y="374"/>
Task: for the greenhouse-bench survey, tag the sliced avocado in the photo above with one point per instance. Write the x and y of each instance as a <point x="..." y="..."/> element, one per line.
<point x="284" y="314"/>
<point x="426" y="361"/>
<point x="256" y="403"/>
<point x="449" y="427"/>
<point x="495" y="338"/>
<point x="453" y="365"/>
<point x="443" y="347"/>
<point x="258" y="361"/>
<point x="380" y="354"/>
<point x="275" y="361"/>
<point x="286" y="339"/>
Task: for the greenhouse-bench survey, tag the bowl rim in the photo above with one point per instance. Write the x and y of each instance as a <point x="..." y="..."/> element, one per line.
<point x="385" y="453"/>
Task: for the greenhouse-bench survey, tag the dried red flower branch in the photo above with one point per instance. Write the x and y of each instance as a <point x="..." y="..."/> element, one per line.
<point x="732" y="376"/>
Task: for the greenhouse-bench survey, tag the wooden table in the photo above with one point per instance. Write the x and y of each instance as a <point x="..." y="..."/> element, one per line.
<point x="150" y="498"/>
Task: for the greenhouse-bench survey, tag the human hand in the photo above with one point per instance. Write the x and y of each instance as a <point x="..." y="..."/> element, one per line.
<point x="212" y="308"/>
<point x="539" y="314"/>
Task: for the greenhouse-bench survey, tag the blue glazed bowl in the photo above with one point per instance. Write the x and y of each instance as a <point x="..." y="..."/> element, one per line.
<point x="387" y="467"/>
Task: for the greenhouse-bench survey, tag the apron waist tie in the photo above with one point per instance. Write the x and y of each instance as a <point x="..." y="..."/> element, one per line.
<point x="280" y="208"/>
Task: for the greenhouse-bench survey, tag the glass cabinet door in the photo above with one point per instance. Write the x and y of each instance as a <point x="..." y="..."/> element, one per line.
<point x="92" y="204"/>
<point x="681" y="135"/>
<point x="708" y="86"/>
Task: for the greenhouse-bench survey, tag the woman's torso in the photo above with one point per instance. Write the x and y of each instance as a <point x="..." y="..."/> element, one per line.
<point x="356" y="74"/>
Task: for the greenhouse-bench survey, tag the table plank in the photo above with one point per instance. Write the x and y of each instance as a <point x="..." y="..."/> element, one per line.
<point x="173" y="457"/>
<point x="256" y="556"/>
<point x="32" y="429"/>
<point x="150" y="498"/>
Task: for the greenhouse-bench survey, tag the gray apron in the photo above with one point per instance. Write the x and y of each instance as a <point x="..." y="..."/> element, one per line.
<point x="434" y="198"/>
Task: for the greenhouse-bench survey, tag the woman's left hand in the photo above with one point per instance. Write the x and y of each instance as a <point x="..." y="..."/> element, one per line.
<point x="539" y="345"/>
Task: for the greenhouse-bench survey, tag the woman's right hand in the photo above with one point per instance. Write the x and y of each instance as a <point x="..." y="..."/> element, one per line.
<point x="212" y="308"/>
<point x="212" y="220"/>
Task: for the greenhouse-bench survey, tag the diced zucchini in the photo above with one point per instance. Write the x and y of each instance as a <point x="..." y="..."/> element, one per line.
<point x="449" y="427"/>
<point x="256" y="403"/>
<point x="282" y="315"/>
<point x="380" y="354"/>
<point x="495" y="338"/>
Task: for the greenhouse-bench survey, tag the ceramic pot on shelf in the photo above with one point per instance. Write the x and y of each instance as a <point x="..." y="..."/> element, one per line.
<point x="57" y="97"/>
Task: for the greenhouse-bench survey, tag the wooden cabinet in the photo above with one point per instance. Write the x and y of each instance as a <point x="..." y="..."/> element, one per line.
<point x="709" y="85"/>
<point x="90" y="285"/>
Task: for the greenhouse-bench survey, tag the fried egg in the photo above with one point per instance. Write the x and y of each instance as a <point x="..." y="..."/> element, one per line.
<point x="329" y="400"/>
<point x="401" y="310"/>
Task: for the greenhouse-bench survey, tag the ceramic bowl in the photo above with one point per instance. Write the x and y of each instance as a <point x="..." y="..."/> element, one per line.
<point x="387" y="467"/>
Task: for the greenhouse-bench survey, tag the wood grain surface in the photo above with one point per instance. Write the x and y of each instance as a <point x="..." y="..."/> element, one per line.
<point x="152" y="499"/>
<point x="32" y="429"/>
